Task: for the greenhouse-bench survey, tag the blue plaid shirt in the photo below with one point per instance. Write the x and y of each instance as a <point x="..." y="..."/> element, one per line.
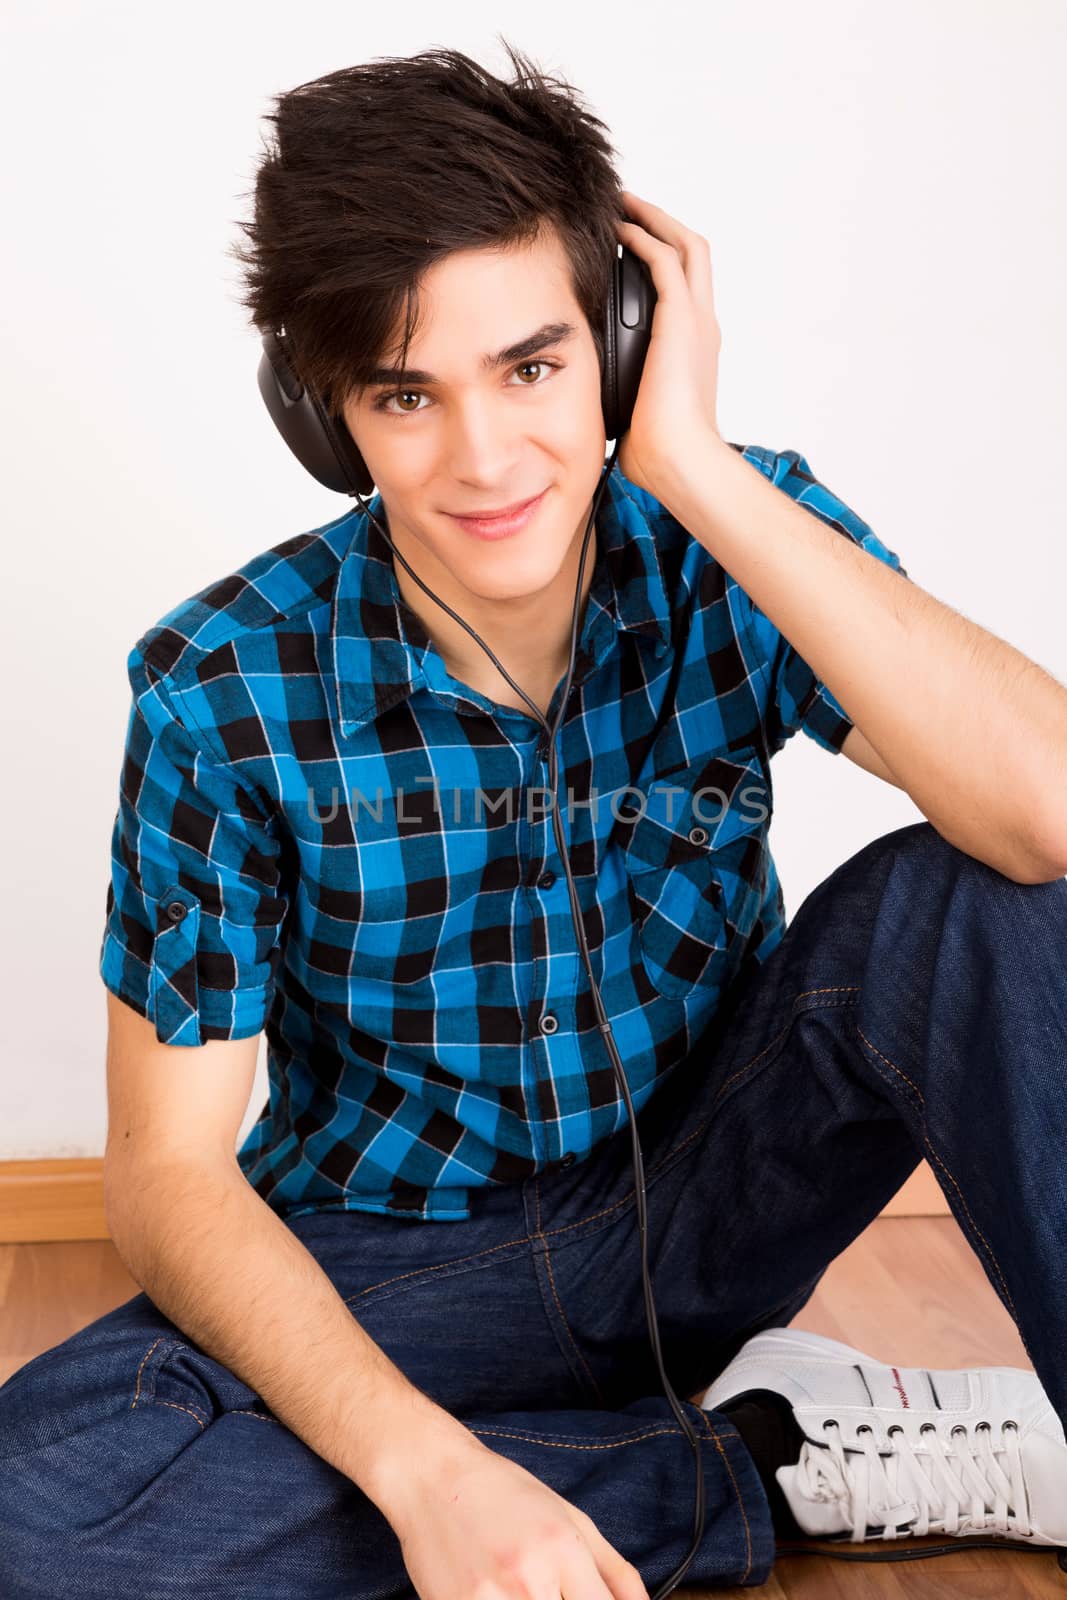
<point x="320" y="832"/>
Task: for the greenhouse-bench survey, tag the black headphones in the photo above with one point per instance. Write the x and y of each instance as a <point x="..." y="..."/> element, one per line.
<point x="325" y="447"/>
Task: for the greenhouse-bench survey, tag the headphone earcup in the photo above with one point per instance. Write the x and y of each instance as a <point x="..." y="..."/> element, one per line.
<point x="321" y="445"/>
<point x="627" y="333"/>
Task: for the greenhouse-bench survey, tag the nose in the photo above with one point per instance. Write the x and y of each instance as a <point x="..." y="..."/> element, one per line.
<point x="481" y="443"/>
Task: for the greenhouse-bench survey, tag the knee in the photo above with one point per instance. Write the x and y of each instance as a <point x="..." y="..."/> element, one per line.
<point x="56" y="1397"/>
<point x="984" y="883"/>
<point x="88" y="1377"/>
<point x="75" y="1454"/>
<point x="916" y="851"/>
<point x="921" y="849"/>
<point x="45" y="1435"/>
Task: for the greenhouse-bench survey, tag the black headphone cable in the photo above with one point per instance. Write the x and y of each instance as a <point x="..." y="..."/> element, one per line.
<point x="603" y="1024"/>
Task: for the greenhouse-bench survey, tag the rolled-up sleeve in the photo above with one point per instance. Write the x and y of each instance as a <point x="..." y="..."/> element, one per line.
<point x="195" y="905"/>
<point x="796" y="697"/>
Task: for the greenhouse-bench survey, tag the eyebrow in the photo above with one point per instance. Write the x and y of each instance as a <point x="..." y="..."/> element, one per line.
<point x="552" y="333"/>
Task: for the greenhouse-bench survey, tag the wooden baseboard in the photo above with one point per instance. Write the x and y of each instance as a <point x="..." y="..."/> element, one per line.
<point x="43" y="1201"/>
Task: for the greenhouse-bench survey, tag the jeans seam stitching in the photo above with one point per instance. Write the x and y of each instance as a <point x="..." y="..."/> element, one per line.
<point x="977" y="1229"/>
<point x="933" y="1153"/>
<point x="558" y="1444"/>
<point x="731" y="1434"/>
<point x="162" y="1339"/>
<point x="193" y="1411"/>
<point x="555" y="1295"/>
<point x="894" y="1068"/>
<point x="562" y="1441"/>
<point x="441" y="1266"/>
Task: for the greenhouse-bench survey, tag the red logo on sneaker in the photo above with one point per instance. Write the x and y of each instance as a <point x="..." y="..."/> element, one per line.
<point x="899" y="1387"/>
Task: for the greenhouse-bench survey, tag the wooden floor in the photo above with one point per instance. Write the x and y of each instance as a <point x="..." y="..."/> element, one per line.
<point x="909" y="1290"/>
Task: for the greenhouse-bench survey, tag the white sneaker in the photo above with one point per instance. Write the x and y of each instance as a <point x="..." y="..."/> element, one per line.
<point x="893" y="1452"/>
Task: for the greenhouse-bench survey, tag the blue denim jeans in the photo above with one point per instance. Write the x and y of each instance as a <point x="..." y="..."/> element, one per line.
<point x="916" y="1007"/>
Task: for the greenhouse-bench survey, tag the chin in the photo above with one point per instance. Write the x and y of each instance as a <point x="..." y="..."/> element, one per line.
<point x="520" y="574"/>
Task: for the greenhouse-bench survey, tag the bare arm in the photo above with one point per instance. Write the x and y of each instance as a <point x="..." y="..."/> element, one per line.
<point x="225" y="1268"/>
<point x="933" y="692"/>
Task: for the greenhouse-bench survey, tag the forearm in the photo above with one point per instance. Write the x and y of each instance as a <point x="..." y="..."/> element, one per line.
<point x="975" y="732"/>
<point x="225" y="1268"/>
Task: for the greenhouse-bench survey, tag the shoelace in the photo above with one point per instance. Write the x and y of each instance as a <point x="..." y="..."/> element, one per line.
<point x="895" y="1488"/>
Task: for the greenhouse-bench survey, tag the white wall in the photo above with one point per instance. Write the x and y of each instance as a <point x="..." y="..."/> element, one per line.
<point x="883" y="189"/>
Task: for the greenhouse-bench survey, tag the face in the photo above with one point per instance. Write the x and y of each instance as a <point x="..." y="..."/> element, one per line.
<point x="472" y="434"/>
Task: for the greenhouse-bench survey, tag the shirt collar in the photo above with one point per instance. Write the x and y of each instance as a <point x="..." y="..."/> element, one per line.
<point x="382" y="652"/>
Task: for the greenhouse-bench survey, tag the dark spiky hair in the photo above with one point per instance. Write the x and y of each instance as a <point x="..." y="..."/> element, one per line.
<point x="376" y="172"/>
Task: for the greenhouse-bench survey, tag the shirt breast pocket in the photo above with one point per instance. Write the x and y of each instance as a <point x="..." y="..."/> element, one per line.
<point x="695" y="859"/>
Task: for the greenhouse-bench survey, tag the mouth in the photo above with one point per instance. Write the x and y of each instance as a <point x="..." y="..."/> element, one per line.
<point x="502" y="522"/>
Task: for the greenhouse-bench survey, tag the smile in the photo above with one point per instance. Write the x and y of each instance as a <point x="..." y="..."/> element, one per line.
<point x="504" y="523"/>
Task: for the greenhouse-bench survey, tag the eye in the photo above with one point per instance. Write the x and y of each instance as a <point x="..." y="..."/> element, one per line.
<point x="382" y="403"/>
<point x="527" y="364"/>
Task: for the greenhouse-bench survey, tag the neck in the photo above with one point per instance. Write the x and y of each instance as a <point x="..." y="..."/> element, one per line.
<point x="530" y="634"/>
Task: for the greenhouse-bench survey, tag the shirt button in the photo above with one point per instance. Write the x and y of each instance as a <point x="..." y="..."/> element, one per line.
<point x="698" y="836"/>
<point x="568" y="1159"/>
<point x="549" y="1023"/>
<point x="176" y="910"/>
<point x="546" y="880"/>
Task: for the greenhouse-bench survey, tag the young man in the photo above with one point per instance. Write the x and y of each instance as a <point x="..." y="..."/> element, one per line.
<point x="324" y="831"/>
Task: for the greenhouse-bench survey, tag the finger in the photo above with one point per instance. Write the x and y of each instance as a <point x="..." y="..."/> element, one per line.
<point x="572" y="1575"/>
<point x="660" y="223"/>
<point x="663" y="260"/>
<point x="692" y="247"/>
<point x="622" y="1577"/>
<point x="581" y="1580"/>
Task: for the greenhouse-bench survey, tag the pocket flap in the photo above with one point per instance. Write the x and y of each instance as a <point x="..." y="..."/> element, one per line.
<point x="685" y="814"/>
